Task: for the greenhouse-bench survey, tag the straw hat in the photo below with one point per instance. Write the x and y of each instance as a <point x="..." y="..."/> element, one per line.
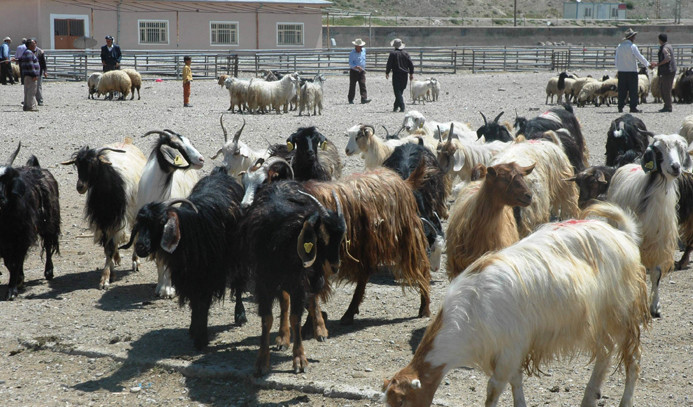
<point x="629" y="34"/>
<point x="7" y="39"/>
<point x="397" y="43"/>
<point x="358" y="42"/>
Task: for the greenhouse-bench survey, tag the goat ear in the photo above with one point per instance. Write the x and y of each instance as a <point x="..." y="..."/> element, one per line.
<point x="306" y="246"/>
<point x="171" y="235"/>
<point x="491" y="172"/>
<point x="600" y="178"/>
<point x="528" y="169"/>
<point x="173" y="156"/>
<point x="104" y="160"/>
<point x="459" y="160"/>
<point x="478" y="172"/>
<point x="571" y="179"/>
<point x="216" y="154"/>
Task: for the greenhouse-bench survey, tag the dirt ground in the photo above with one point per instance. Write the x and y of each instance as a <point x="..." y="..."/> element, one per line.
<point x="65" y="342"/>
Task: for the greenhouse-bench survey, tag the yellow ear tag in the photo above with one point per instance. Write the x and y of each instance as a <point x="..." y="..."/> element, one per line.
<point x="324" y="145"/>
<point x="649" y="165"/>
<point x="289" y="145"/>
<point x="308" y="247"/>
<point x="179" y="160"/>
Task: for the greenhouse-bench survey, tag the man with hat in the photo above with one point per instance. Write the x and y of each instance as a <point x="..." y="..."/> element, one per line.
<point x="5" y="62"/>
<point x="357" y="71"/>
<point x="627" y="57"/>
<point x="401" y="66"/>
<point x="110" y="55"/>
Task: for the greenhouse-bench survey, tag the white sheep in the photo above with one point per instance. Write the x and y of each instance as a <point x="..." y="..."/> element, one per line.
<point x="686" y="130"/>
<point x="238" y="92"/>
<point x="419" y="89"/>
<point x="643" y="85"/>
<point x="115" y="81"/>
<point x="312" y="95"/>
<point x="552" y="87"/>
<point x="650" y="190"/>
<point x="93" y="84"/>
<point x="574" y="287"/>
<point x="578" y="84"/>
<point x="588" y="93"/>
<point x="655" y="89"/>
<point x="136" y="80"/>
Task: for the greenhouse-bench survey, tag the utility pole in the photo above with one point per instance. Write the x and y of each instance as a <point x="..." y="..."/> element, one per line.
<point x="658" y="5"/>
<point x="515" y="13"/>
<point x="677" y="12"/>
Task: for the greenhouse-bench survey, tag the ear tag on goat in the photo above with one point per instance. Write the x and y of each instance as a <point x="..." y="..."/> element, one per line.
<point x="323" y="145"/>
<point x="649" y="162"/>
<point x="308" y="247"/>
<point x="289" y="145"/>
<point x="179" y="161"/>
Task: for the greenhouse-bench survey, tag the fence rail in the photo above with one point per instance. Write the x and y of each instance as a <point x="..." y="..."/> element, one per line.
<point x="73" y="65"/>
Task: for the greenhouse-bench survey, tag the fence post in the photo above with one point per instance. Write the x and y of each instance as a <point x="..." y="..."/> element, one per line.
<point x="235" y="65"/>
<point x="473" y="61"/>
<point x="421" y="61"/>
<point x="505" y="57"/>
<point x="569" y="59"/>
<point x="454" y="61"/>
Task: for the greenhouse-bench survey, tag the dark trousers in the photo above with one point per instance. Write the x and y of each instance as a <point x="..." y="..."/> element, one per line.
<point x="360" y="77"/>
<point x="6" y="72"/>
<point x="666" y="82"/>
<point x="107" y="68"/>
<point x="627" y="86"/>
<point x="399" y="83"/>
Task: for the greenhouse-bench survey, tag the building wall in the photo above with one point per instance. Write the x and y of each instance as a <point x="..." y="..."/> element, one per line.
<point x="19" y="18"/>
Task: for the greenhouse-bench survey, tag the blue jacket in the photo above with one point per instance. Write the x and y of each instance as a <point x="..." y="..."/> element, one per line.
<point x="110" y="57"/>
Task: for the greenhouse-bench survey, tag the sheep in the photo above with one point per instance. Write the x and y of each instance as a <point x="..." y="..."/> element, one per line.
<point x="238" y="93"/>
<point x="169" y="173"/>
<point x="551" y="195"/>
<point x="15" y="71"/>
<point x="110" y="176"/>
<point x="93" y="83"/>
<point x="303" y="237"/>
<point x="608" y="91"/>
<point x="419" y="89"/>
<point x="650" y="191"/>
<point x="500" y="314"/>
<point x="482" y="218"/>
<point x="115" y="81"/>
<point x="643" y="85"/>
<point x="29" y="209"/>
<point x="494" y="131"/>
<point x="556" y="86"/>
<point x="626" y="140"/>
<point x="221" y="81"/>
<point x="686" y="130"/>
<point x="312" y="95"/>
<point x="578" y="84"/>
<point x="416" y="124"/>
<point x="596" y="92"/>
<point x="196" y="242"/>
<point x="684" y="86"/>
<point x="136" y="80"/>
<point x="593" y="183"/>
<point x="656" y="90"/>
<point x="373" y="149"/>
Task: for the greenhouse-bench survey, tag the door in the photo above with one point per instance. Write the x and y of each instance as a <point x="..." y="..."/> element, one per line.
<point x="67" y="31"/>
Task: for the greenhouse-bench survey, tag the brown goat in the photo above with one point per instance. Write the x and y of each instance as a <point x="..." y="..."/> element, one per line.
<point x="685" y="215"/>
<point x="592" y="183"/>
<point x="482" y="220"/>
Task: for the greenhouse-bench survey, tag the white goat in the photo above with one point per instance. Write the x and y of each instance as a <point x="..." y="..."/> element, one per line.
<point x="686" y="130"/>
<point x="283" y="91"/>
<point x="650" y="191"/>
<point x="419" y="89"/>
<point x="416" y="124"/>
<point x="169" y="173"/>
<point x="500" y="315"/>
<point x="373" y="149"/>
<point x="457" y="157"/>
<point x="259" y="96"/>
<point x="311" y="95"/>
<point x="238" y="157"/>
<point x="238" y="92"/>
<point x="435" y="90"/>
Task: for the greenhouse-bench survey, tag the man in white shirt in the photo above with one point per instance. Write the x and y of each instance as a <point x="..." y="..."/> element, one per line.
<point x="627" y="58"/>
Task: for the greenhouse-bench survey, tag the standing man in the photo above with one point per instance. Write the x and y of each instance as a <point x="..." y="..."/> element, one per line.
<point x="399" y="63"/>
<point x="110" y="55"/>
<point x="17" y="55"/>
<point x="627" y="57"/>
<point x="666" y="70"/>
<point x="6" y="62"/>
<point x="41" y="56"/>
<point x="357" y="71"/>
<point x="30" y="71"/>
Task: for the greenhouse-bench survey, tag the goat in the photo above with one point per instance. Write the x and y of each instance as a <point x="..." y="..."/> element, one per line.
<point x="168" y="174"/>
<point x="312" y="95"/>
<point x="196" y="243"/>
<point x="500" y="314"/>
<point x="650" y="191"/>
<point x="684" y="211"/>
<point x="494" y="131"/>
<point x="374" y="150"/>
<point x="307" y="164"/>
<point x="238" y="93"/>
<point x="686" y="130"/>
<point x="29" y="209"/>
<point x="305" y="237"/>
<point x="593" y="183"/>
<point x="626" y="140"/>
<point x="416" y="124"/>
<point x="419" y="89"/>
<point x="110" y="177"/>
<point x="238" y="156"/>
<point x="482" y="217"/>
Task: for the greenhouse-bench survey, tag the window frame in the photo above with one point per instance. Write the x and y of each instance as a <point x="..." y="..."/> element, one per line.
<point x="303" y="34"/>
<point x="139" y="32"/>
<point x="235" y="23"/>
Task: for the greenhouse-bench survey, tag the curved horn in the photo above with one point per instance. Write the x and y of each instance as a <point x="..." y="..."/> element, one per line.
<point x="174" y="201"/>
<point x="14" y="155"/>
<point x="498" y="117"/>
<point x="226" y="135"/>
<point x="435" y="229"/>
<point x="116" y="150"/>
<point x="274" y="159"/>
<point x="387" y="133"/>
<point x="323" y="210"/>
<point x="237" y="136"/>
<point x="485" y="122"/>
<point x="159" y="132"/>
<point x="440" y="134"/>
<point x="340" y="213"/>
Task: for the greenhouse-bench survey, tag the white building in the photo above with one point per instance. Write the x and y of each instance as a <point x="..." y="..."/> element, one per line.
<point x="581" y="10"/>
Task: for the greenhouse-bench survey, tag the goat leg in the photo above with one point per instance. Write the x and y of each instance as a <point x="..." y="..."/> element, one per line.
<point x="685" y="258"/>
<point x="16" y="268"/>
<point x="315" y="323"/>
<point x="239" y="316"/>
<point x="262" y="364"/>
<point x="348" y="317"/>
<point x="299" y="362"/>
<point x="284" y="337"/>
<point x="198" y="321"/>
<point x="50" y="248"/>
<point x="107" y="272"/>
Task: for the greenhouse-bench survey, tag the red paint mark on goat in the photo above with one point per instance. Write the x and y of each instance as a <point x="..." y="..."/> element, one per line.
<point x="570" y="223"/>
<point x="634" y="169"/>
<point x="534" y="141"/>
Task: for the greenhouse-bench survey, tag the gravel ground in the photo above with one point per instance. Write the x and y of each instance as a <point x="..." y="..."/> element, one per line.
<point x="66" y="342"/>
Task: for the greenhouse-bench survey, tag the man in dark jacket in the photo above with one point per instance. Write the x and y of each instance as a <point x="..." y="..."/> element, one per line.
<point x="666" y="70"/>
<point x="110" y="55"/>
<point x="399" y="63"/>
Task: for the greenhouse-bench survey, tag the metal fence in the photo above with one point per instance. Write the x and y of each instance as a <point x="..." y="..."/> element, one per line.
<point x="73" y="65"/>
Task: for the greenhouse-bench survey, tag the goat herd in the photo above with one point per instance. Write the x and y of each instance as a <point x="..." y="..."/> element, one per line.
<point x="532" y="230"/>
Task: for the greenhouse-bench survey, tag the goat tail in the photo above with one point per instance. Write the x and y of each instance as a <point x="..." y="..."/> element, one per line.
<point x="418" y="176"/>
<point x="615" y="216"/>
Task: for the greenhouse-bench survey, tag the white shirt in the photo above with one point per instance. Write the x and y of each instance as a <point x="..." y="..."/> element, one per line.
<point x="627" y="57"/>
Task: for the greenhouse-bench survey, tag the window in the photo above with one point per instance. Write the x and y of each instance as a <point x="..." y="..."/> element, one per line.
<point x="614" y="12"/>
<point x="223" y="33"/>
<point x="290" y="34"/>
<point x="153" y="31"/>
<point x="588" y="12"/>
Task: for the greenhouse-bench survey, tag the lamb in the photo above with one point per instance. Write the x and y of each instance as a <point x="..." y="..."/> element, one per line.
<point x="482" y="217"/>
<point x="93" y="83"/>
<point x="196" y="242"/>
<point x="238" y="93"/>
<point x="499" y="315"/>
<point x="650" y="191"/>
<point x="110" y="177"/>
<point x="311" y="95"/>
<point x="626" y="140"/>
<point x="419" y="89"/>
<point x="136" y="80"/>
<point x="29" y="209"/>
<point x="593" y="183"/>
<point x="169" y="173"/>
<point x="686" y="130"/>
<point x="115" y="81"/>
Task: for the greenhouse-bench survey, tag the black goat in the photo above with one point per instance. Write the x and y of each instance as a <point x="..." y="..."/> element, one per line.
<point x="572" y="140"/>
<point x="626" y="140"/>
<point x="288" y="237"/>
<point x="684" y="210"/>
<point x="197" y="243"/>
<point x="494" y="131"/>
<point x="684" y="86"/>
<point x="593" y="183"/>
<point x="311" y="155"/>
<point x="29" y="209"/>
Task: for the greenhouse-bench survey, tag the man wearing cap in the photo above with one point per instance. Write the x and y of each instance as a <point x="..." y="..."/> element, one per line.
<point x="5" y="62"/>
<point x="666" y="70"/>
<point x="399" y="63"/>
<point x="357" y="71"/>
<point x="110" y="55"/>
<point x="627" y="57"/>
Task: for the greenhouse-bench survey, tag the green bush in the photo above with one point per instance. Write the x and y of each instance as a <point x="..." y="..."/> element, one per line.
<point x="629" y="5"/>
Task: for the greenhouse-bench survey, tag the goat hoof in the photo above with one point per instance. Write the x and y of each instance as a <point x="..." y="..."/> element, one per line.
<point x="135" y="266"/>
<point x="281" y="346"/>
<point x="300" y="363"/>
<point x="322" y="338"/>
<point x="347" y="320"/>
<point x="48" y="274"/>
<point x="655" y="314"/>
<point x="12" y="293"/>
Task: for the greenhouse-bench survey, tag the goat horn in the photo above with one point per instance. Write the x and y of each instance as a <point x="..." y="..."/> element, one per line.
<point x="236" y="136"/>
<point x="14" y="155"/>
<point x="440" y="134"/>
<point x="387" y="133"/>
<point x="115" y="150"/>
<point x="272" y="160"/>
<point x="435" y="229"/>
<point x="174" y="201"/>
<point x="485" y="122"/>
<point x="323" y="210"/>
<point x="159" y="132"/>
<point x="498" y="117"/>
<point x="221" y="121"/>
<point x="339" y="204"/>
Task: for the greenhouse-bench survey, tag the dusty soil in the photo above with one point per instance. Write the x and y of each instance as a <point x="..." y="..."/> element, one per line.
<point x="65" y="342"/>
